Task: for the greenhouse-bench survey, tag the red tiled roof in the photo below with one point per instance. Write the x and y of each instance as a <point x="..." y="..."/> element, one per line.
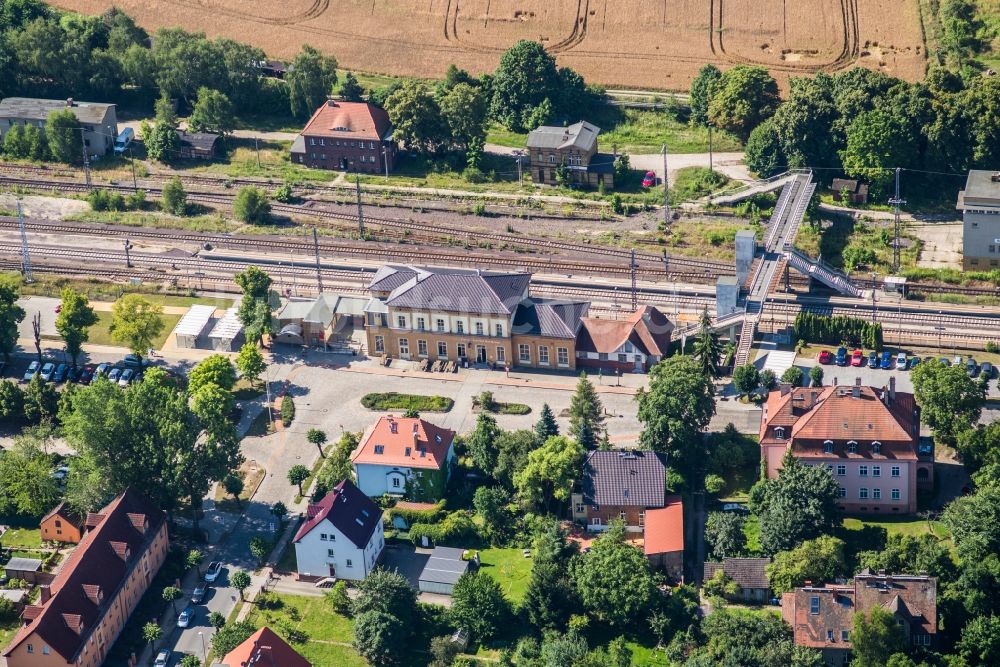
<point x="353" y="513"/>
<point x="663" y="530"/>
<point x="647" y="329"/>
<point x="348" y="120"/>
<point x="400" y="441"/>
<point x="65" y="621"/>
<point x="264" y="649"/>
<point x="811" y="416"/>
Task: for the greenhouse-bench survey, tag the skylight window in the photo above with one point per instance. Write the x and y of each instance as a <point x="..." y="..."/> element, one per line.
<point x="380" y="449"/>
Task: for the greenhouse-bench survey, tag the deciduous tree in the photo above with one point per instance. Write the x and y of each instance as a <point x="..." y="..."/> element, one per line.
<point x="464" y="108"/>
<point x="875" y="637"/>
<point x="379" y="638"/>
<point x="724" y="535"/>
<point x="416" y="116"/>
<point x="251" y="362"/>
<point x="674" y="410"/>
<point x="614" y="579"/>
<point x="62" y="131"/>
<point x="950" y="401"/>
<point x="744" y="96"/>
<point x="482" y="443"/>
<point x="240" y="580"/>
<point x="213" y="112"/>
<point x="311" y="78"/>
<point x="549" y="473"/>
<point x="350" y="89"/>
<point x="251" y="206"/>
<point x="479" y="606"/>
<point x="26" y="484"/>
<point x="317" y="437"/>
<point x="11" y="314"/>
<point x="820" y="560"/>
<point x="174" y="197"/>
<point x="799" y="504"/>
<point x="136" y="322"/>
<point x="74" y="318"/>
<point x="702" y="89"/>
<point x="526" y="75"/>
<point x="297" y="474"/>
<point x="216" y="369"/>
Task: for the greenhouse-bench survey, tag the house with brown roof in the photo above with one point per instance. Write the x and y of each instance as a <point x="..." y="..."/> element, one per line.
<point x="619" y="485"/>
<point x="868" y="438"/>
<point x="572" y="152"/>
<point x="341" y="537"/>
<point x="264" y="648"/>
<point x="630" y="345"/>
<point x="471" y="317"/>
<point x="349" y="136"/>
<point x="81" y="613"/>
<point x="404" y="456"/>
<point x="663" y="537"/>
<point x="61" y="525"/>
<point x="822" y="617"/>
<point x="750" y="574"/>
<point x="196" y="145"/>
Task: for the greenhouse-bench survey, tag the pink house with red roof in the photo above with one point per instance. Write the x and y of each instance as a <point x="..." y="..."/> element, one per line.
<point x="868" y="438"/>
<point x="404" y="456"/>
<point x="341" y="537"/>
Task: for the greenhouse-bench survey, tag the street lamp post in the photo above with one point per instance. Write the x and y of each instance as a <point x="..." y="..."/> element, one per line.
<point x="204" y="652"/>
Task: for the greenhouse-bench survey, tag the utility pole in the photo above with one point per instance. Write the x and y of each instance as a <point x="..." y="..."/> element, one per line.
<point x="896" y="201"/>
<point x="86" y="158"/>
<point x="256" y="147"/>
<point x="319" y="275"/>
<point x="520" y="178"/>
<point x="874" y="304"/>
<point x="666" y="265"/>
<point x="128" y="258"/>
<point x="633" y="267"/>
<point x="131" y="159"/>
<point x="710" y="149"/>
<point x="25" y="255"/>
<point x="361" y="217"/>
<point x="385" y="161"/>
<point x="666" y="189"/>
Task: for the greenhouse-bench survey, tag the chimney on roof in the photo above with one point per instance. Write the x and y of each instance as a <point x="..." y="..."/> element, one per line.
<point x="892" y="388"/>
<point x="785" y="387"/>
<point x="995" y="177"/>
<point x="331" y="102"/>
<point x="392" y="426"/>
<point x="44" y="594"/>
<point x="808" y="583"/>
<point x="856" y="389"/>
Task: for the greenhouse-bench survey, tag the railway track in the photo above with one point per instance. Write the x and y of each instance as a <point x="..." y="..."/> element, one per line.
<point x="710" y="269"/>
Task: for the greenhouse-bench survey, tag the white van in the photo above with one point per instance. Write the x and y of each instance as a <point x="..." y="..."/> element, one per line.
<point x="124" y="139"/>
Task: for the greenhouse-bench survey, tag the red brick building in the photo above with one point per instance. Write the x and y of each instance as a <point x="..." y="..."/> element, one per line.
<point x="822" y="617"/>
<point x="349" y="136"/>
<point x="619" y="485"/>
<point x="629" y="345"/>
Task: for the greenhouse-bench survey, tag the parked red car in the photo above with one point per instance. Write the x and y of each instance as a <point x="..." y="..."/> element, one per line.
<point x="825" y="357"/>
<point x="649" y="180"/>
<point x="858" y="358"/>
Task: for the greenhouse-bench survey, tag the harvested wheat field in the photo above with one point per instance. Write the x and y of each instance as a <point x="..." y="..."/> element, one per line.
<point x="641" y="43"/>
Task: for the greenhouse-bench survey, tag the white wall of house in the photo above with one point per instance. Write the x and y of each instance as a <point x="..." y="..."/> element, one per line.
<point x="376" y="480"/>
<point x="324" y="551"/>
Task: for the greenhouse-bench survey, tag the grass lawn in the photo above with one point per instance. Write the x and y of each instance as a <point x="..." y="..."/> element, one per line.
<point x="275" y="163"/>
<point x="326" y="630"/>
<point x="645" y="656"/>
<point x="712" y="238"/>
<point x="510" y="568"/>
<point x="188" y="301"/>
<point x="52" y="285"/>
<point x="244" y="389"/>
<point x="100" y="333"/>
<point x="868" y="535"/>
<point x="8" y="630"/>
<point x="24" y="538"/>
<point x="252" y="474"/>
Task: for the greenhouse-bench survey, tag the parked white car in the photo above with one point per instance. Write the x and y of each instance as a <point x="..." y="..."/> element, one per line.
<point x="32" y="370"/>
<point x="47" y="371"/>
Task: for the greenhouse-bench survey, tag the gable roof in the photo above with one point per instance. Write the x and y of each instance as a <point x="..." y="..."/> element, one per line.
<point x="747" y="572"/>
<point x="349" y="120"/>
<point x="30" y="108"/>
<point x="63" y="511"/>
<point x="648" y="329"/>
<point x="404" y="441"/>
<point x="92" y="575"/>
<point x="624" y="478"/>
<point x="445" y="566"/>
<point x="549" y="318"/>
<point x="663" y="528"/>
<point x="581" y="135"/>
<point x="203" y="141"/>
<point x="349" y="510"/>
<point x="457" y="290"/>
<point x="264" y="648"/>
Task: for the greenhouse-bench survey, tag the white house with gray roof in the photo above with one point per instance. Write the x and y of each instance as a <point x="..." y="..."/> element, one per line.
<point x="469" y="316"/>
<point x="99" y="121"/>
<point x="572" y="152"/>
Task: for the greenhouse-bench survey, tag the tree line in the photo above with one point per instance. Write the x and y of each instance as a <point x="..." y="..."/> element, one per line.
<point x="837" y="330"/>
<point x="859" y="122"/>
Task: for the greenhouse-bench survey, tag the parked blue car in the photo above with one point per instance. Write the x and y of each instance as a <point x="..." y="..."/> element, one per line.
<point x="886" y="360"/>
<point x="841" y="356"/>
